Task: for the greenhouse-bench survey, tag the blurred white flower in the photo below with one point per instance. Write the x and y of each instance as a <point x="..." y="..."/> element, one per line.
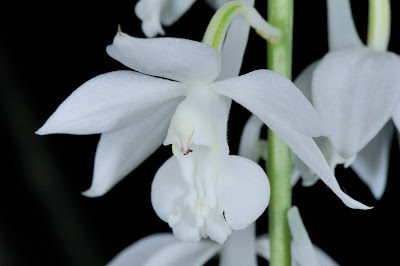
<point x="356" y="92"/>
<point x="241" y="248"/>
<point x="157" y="13"/>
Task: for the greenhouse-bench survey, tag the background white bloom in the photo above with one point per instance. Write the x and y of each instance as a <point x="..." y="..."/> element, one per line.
<point x="308" y="159"/>
<point x="157" y="13"/>
<point x="356" y="91"/>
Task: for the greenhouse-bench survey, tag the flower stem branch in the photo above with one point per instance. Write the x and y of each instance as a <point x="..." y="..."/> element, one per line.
<point x="280" y="14"/>
<point x="379" y="24"/>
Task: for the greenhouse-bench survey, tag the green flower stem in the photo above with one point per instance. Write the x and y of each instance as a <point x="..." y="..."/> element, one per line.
<point x="379" y="24"/>
<point x="216" y="30"/>
<point x="218" y="26"/>
<point x="280" y="15"/>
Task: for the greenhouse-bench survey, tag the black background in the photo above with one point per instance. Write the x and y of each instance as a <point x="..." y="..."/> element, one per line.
<point x="48" y="49"/>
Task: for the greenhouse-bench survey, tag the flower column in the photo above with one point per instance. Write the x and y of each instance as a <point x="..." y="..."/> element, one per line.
<point x="280" y="15"/>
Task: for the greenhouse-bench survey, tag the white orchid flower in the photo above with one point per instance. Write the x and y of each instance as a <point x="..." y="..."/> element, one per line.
<point x="157" y="13"/>
<point x="241" y="248"/>
<point x="356" y="91"/>
<point x="199" y="124"/>
<point x="134" y="112"/>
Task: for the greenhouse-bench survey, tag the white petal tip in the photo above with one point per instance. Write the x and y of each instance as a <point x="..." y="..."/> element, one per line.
<point x="352" y="203"/>
<point x="40" y="132"/>
<point x="92" y="193"/>
<point x="358" y="205"/>
<point x="46" y="129"/>
<point x="54" y="126"/>
<point x="377" y="196"/>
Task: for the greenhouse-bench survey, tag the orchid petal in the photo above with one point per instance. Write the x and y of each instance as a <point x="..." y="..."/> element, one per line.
<point x="178" y="59"/>
<point x="186" y="229"/>
<point x="307" y="150"/>
<point x="248" y="145"/>
<point x="217" y="228"/>
<point x="263" y="250"/>
<point x="121" y="151"/>
<point x="174" y="10"/>
<point x="262" y="147"/>
<point x="396" y="117"/>
<point x="371" y="163"/>
<point x="167" y="191"/>
<point x="396" y="121"/>
<point x="251" y="147"/>
<point x="139" y="252"/>
<point x="308" y="176"/>
<point x="349" y="87"/>
<point x="195" y="119"/>
<point x="110" y="102"/>
<point x="149" y="11"/>
<point x="263" y="247"/>
<point x="240" y="248"/>
<point x="233" y="48"/>
<point x="304" y="247"/>
<point x="295" y="176"/>
<point x="303" y="80"/>
<point x="243" y="191"/>
<point x="273" y="97"/>
<point x="331" y="156"/>
<point x="235" y="43"/>
<point x="342" y="32"/>
<point x="166" y="188"/>
<point x="183" y="253"/>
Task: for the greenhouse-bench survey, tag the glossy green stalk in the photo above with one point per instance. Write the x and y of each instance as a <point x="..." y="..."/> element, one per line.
<point x="379" y="24"/>
<point x="218" y="26"/>
<point x="280" y="15"/>
<point x="216" y="30"/>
